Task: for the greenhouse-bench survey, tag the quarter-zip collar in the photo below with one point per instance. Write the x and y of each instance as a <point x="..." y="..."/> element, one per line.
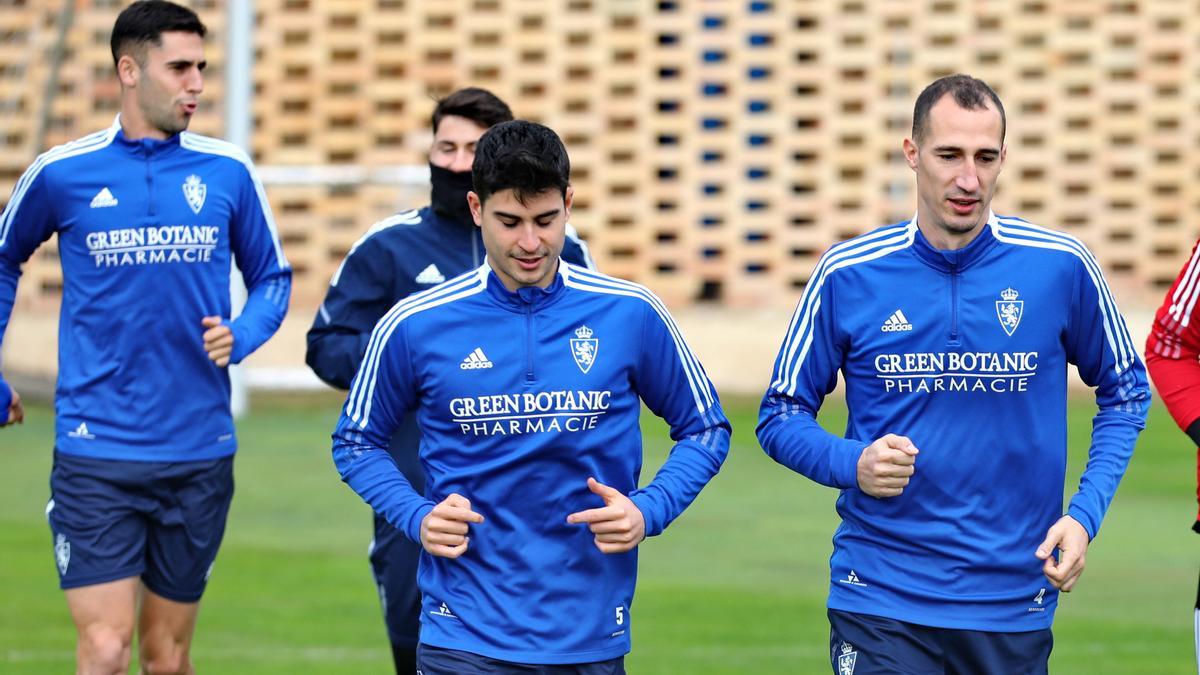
<point x="148" y="151"/>
<point x="528" y="298"/>
<point x="960" y="259"/>
<point x="146" y="147"/>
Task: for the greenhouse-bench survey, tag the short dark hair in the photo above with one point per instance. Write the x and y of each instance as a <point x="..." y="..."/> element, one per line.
<point x="478" y="105"/>
<point x="145" y="21"/>
<point x="968" y="92"/>
<point x="521" y="156"/>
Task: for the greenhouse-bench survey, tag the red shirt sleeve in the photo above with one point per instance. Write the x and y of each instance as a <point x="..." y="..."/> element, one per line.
<point x="1173" y="346"/>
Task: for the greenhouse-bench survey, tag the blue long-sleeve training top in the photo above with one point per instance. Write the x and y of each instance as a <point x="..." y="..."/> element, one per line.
<point x="965" y="352"/>
<point x="147" y="231"/>
<point x="520" y="398"/>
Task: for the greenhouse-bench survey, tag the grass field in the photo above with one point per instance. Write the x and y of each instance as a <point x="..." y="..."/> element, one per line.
<point x="735" y="586"/>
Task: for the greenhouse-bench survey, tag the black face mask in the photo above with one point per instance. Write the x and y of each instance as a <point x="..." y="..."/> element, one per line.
<point x="450" y="190"/>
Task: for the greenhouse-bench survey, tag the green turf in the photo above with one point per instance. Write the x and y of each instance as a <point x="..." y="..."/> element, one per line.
<point x="737" y="585"/>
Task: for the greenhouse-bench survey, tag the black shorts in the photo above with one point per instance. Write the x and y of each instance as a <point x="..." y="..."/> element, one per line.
<point x="862" y="644"/>
<point x="162" y="521"/>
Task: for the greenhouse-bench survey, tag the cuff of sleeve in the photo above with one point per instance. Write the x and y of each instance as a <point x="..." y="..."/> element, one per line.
<point x="5" y="398"/>
<point x="241" y="346"/>
<point x="845" y="465"/>
<point x="1082" y="518"/>
<point x="1193" y="432"/>
<point x="650" y="517"/>
<point x="413" y="527"/>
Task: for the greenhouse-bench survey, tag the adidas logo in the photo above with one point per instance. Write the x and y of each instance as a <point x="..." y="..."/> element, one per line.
<point x="896" y="323"/>
<point x="430" y="275"/>
<point x="103" y="198"/>
<point x="475" y="361"/>
<point x="81" y="432"/>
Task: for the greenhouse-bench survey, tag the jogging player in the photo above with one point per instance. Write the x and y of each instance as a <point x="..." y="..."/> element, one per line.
<point x="526" y="377"/>
<point x="410" y="252"/>
<point x="953" y="332"/>
<point x="149" y="219"/>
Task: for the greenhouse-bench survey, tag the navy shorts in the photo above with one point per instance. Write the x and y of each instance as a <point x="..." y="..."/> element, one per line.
<point x="438" y="661"/>
<point x="162" y="521"/>
<point x="862" y="644"/>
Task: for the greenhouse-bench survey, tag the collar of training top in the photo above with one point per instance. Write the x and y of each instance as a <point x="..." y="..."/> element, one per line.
<point x="529" y="297"/>
<point x="959" y="259"/>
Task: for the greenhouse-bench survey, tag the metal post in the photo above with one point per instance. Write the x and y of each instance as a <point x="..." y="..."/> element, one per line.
<point x="65" y="18"/>
<point x="239" y="87"/>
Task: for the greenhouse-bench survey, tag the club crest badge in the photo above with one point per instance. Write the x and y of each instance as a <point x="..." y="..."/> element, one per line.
<point x="1009" y="310"/>
<point x="194" y="191"/>
<point x="846" y="659"/>
<point x="62" y="553"/>
<point x="584" y="348"/>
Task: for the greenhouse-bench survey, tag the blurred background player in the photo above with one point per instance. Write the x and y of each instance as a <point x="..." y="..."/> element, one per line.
<point x="1172" y="350"/>
<point x="527" y="378"/>
<point x="149" y="220"/>
<point x="953" y="332"/>
<point x="410" y="252"/>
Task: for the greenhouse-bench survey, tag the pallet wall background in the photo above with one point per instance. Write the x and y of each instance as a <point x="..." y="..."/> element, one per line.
<point x="719" y="146"/>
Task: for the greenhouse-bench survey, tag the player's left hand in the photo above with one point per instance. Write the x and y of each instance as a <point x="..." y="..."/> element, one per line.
<point x="218" y="340"/>
<point x="618" y="525"/>
<point x="16" y="410"/>
<point x="1071" y="540"/>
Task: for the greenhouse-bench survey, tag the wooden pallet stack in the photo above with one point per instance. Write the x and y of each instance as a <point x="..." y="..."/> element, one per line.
<point x="718" y="147"/>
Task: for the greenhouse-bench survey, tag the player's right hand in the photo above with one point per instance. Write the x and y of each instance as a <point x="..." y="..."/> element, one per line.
<point x="16" y="411"/>
<point x="444" y="529"/>
<point x="218" y="340"/>
<point x="886" y="465"/>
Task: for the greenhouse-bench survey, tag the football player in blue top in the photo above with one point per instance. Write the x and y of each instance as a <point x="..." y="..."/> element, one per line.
<point x="526" y="377"/>
<point x="149" y="220"/>
<point x="405" y="254"/>
<point x="953" y="332"/>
